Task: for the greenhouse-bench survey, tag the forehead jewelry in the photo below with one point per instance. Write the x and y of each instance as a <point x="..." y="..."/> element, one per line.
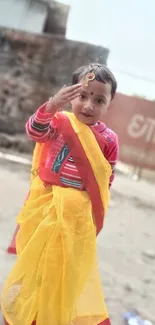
<point x="89" y="77"/>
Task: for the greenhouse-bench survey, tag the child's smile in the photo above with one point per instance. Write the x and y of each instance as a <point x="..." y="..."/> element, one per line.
<point x="93" y="101"/>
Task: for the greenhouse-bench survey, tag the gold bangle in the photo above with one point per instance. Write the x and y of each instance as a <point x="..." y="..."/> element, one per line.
<point x="55" y="105"/>
<point x="51" y="98"/>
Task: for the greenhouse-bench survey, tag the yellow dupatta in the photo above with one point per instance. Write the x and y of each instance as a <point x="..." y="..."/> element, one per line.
<point x="55" y="279"/>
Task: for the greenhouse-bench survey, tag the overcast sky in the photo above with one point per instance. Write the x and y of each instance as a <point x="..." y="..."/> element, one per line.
<point x="127" y="28"/>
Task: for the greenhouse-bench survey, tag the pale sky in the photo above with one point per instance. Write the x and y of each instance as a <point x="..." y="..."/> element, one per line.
<point x="127" y="28"/>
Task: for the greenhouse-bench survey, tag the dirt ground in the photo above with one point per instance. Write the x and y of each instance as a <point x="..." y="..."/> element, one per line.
<point x="126" y="246"/>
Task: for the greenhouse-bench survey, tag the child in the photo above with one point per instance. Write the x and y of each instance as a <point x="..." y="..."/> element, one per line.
<point x="55" y="280"/>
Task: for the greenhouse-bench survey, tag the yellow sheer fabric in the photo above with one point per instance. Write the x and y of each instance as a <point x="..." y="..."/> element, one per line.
<point x="55" y="279"/>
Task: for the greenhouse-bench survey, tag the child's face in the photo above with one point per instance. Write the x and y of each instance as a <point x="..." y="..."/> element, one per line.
<point x="93" y="101"/>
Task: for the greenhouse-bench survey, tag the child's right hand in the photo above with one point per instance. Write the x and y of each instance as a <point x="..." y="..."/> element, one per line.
<point x="63" y="97"/>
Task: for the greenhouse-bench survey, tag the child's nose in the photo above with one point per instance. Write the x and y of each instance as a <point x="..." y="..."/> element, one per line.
<point x="88" y="106"/>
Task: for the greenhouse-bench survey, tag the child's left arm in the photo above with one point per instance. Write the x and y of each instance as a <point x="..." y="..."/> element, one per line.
<point x="112" y="156"/>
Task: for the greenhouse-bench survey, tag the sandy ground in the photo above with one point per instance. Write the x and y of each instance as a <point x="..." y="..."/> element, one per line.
<point x="126" y="247"/>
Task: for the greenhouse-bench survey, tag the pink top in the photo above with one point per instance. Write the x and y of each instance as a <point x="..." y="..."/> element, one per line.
<point x="40" y="128"/>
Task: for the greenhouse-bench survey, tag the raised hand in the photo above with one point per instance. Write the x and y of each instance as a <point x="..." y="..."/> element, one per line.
<point x="63" y="97"/>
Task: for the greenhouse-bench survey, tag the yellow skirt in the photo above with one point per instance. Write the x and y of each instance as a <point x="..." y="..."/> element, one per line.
<point x="55" y="280"/>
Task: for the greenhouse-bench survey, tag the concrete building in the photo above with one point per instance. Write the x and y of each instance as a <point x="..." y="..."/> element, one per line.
<point x="36" y="60"/>
<point x="34" y="16"/>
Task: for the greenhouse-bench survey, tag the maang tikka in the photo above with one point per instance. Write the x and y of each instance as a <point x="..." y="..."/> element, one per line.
<point x="90" y="76"/>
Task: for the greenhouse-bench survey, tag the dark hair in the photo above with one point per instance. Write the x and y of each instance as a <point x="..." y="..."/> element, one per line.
<point x="102" y="74"/>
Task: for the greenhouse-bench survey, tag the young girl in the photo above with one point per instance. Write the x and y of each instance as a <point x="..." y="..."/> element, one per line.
<point x="55" y="280"/>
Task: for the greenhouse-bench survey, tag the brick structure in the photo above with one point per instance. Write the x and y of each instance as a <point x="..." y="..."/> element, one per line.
<point x="32" y="68"/>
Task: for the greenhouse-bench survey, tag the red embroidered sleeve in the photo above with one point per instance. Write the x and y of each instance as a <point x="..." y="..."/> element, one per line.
<point x="39" y="126"/>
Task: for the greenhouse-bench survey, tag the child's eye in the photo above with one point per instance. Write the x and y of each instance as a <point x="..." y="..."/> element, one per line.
<point x="100" y="101"/>
<point x="82" y="97"/>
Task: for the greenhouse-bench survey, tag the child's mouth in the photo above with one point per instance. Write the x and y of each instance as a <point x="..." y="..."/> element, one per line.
<point x="87" y="115"/>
